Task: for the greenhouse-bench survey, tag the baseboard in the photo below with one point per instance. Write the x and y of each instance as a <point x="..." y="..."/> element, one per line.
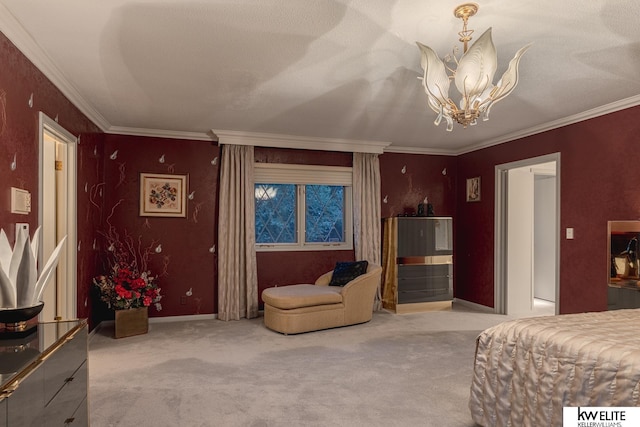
<point x="474" y="306"/>
<point x="420" y="307"/>
<point x="99" y="326"/>
<point x="164" y="319"/>
<point x="185" y="318"/>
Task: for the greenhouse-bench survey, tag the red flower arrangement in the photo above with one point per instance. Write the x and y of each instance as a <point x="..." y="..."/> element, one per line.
<point x="125" y="288"/>
<point x="129" y="283"/>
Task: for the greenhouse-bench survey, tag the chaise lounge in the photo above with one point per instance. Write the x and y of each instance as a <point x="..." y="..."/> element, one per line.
<point x="301" y="308"/>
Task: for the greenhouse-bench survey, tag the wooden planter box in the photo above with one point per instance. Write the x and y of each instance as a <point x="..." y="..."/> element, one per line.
<point x="134" y="321"/>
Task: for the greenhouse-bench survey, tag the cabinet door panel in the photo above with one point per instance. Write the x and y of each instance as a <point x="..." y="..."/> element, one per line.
<point x="424" y="237"/>
<point x="628" y="298"/>
<point x="612" y="298"/>
<point x="412" y="237"/>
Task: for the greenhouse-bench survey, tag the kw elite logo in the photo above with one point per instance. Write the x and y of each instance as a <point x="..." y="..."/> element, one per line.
<point x="601" y="417"/>
<point x="606" y="415"/>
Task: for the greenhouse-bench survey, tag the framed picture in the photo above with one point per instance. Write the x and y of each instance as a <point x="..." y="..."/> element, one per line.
<point x="473" y="189"/>
<point x="163" y="195"/>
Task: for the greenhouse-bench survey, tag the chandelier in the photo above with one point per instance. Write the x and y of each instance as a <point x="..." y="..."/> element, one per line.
<point x="473" y="76"/>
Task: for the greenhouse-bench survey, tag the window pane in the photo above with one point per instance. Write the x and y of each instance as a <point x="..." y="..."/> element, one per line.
<point x="324" y="219"/>
<point x="275" y="213"/>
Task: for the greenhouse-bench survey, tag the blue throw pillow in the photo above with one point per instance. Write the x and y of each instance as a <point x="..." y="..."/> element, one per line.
<point x="344" y="272"/>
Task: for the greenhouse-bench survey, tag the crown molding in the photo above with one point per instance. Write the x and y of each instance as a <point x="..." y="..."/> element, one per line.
<point x="419" y="150"/>
<point x="159" y="133"/>
<point x="556" y="124"/>
<point x="569" y="120"/>
<point x="16" y="33"/>
<point x="299" y="142"/>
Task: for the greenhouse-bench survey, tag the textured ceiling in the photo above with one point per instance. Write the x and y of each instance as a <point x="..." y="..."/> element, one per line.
<point x="335" y="69"/>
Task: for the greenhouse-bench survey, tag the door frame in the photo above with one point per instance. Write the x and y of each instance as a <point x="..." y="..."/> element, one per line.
<point x="46" y="124"/>
<point x="501" y="228"/>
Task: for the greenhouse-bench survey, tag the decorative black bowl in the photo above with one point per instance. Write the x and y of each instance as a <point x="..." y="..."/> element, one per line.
<point x="15" y="319"/>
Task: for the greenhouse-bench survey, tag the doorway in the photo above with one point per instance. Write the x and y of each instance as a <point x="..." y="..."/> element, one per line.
<point x="57" y="217"/>
<point x="527" y="240"/>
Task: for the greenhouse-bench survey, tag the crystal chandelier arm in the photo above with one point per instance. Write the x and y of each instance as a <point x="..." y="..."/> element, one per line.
<point x="477" y="66"/>
<point x="434" y="79"/>
<point x="507" y="82"/>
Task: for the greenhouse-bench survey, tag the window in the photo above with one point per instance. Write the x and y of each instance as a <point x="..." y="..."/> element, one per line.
<point x="302" y="207"/>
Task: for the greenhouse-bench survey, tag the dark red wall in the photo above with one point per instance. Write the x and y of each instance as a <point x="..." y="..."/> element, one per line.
<point x="406" y="179"/>
<point x="599" y="160"/>
<point x="598" y="182"/>
<point x="185" y="242"/>
<point x="19" y="131"/>
<point x="139" y="154"/>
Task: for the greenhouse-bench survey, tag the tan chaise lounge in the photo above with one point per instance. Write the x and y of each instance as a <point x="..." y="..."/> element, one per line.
<point x="303" y="308"/>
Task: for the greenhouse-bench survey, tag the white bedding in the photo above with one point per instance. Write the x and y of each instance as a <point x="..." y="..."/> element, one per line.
<point x="526" y="370"/>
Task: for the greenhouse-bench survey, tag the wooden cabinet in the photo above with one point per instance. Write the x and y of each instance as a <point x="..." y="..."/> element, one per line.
<point x="418" y="263"/>
<point x="49" y="384"/>
<point x="622" y="297"/>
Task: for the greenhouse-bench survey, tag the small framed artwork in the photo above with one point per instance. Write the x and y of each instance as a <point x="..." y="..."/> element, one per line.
<point x="473" y="189"/>
<point x="163" y="195"/>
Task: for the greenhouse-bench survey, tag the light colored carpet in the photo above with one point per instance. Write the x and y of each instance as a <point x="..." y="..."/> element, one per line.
<point x="397" y="370"/>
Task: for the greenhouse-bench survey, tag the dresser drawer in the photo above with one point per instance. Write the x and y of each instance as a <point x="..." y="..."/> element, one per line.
<point x="66" y="402"/>
<point x="62" y="364"/>
<point x="408" y="297"/>
<point x="81" y="416"/>
<point x="51" y="388"/>
<point x="424" y="271"/>
<point x="424" y="284"/>
<point x="25" y="405"/>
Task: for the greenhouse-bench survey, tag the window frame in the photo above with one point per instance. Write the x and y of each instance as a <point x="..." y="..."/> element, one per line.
<point x="302" y="175"/>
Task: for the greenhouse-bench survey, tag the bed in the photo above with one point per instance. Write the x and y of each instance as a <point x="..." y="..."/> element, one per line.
<point x="527" y="370"/>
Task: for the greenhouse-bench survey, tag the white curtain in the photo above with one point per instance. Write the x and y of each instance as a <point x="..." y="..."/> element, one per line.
<point x="366" y="211"/>
<point x="237" y="274"/>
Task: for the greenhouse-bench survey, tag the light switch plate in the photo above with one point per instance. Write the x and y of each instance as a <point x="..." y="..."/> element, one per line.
<point x="20" y="201"/>
<point x="569" y="233"/>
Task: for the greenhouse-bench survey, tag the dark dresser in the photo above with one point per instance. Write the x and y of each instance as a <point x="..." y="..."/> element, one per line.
<point x="44" y="377"/>
<point x="418" y="263"/>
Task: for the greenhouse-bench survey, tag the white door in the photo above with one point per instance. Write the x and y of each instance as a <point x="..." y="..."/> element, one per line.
<point x="57" y="216"/>
<point x="514" y="235"/>
<point x="544" y="252"/>
<point x="520" y="243"/>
